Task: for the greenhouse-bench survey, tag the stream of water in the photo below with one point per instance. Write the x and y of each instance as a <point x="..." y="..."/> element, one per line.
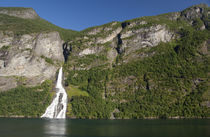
<point x="57" y="109"/>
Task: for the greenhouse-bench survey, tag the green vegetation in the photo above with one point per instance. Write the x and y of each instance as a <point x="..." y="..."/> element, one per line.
<point x="26" y="101"/>
<point x="105" y="29"/>
<point x="14" y="8"/>
<point x="89" y="107"/>
<point x="171" y="83"/>
<point x="88" y="59"/>
<point x="5" y="48"/>
<point x="48" y="60"/>
<point x="118" y="24"/>
<point x="165" y="83"/>
<point x="75" y="91"/>
<point x="26" y="26"/>
<point x="158" y="20"/>
<point x="92" y="106"/>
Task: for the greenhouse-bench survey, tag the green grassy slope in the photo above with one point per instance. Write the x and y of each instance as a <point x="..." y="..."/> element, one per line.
<point x="26" y="26"/>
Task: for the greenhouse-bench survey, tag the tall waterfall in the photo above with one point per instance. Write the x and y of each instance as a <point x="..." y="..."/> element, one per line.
<point x="57" y="109"/>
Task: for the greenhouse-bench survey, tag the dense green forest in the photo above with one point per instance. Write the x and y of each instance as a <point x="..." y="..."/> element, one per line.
<point x="26" y="101"/>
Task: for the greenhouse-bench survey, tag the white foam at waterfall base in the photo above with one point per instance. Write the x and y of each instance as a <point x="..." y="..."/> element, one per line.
<point x="57" y="109"/>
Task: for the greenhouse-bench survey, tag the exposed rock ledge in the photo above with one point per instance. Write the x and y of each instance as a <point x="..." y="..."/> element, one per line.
<point x="26" y="13"/>
<point x="145" y="37"/>
<point x="110" y="37"/>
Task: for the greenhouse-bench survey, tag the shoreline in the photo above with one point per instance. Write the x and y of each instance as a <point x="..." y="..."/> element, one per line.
<point x="146" y="118"/>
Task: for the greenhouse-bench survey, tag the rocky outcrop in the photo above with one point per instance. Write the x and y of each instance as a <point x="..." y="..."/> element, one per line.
<point x="26" y="13"/>
<point x="99" y="29"/>
<point x="6" y="38"/>
<point x="115" y="39"/>
<point x="95" y="31"/>
<point x="194" y="12"/>
<point x="87" y="52"/>
<point x="28" y="56"/>
<point x="49" y="45"/>
<point x="111" y="55"/>
<point x="145" y="37"/>
<point x="110" y="37"/>
<point x="92" y="50"/>
<point x="135" y="23"/>
<point x="7" y="83"/>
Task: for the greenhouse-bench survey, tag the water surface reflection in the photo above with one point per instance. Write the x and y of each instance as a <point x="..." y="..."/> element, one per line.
<point x="10" y="127"/>
<point x="55" y="127"/>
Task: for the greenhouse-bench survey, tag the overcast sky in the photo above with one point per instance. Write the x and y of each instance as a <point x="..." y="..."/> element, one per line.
<point x="81" y="14"/>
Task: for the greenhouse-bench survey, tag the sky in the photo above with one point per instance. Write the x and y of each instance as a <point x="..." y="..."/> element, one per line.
<point x="81" y="14"/>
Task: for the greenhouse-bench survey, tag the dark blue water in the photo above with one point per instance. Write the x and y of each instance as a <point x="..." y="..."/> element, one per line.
<point x="104" y="128"/>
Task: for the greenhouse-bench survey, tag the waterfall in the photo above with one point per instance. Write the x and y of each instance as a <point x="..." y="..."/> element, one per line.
<point x="57" y="109"/>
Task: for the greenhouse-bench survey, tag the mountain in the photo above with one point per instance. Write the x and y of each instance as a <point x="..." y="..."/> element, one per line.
<point x="148" y="67"/>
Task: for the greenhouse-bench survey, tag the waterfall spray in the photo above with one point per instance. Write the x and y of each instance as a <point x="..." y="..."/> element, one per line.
<point x="57" y="109"/>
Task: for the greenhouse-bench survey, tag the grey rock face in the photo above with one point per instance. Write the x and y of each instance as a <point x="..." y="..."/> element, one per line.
<point x="7" y="83"/>
<point x="49" y="45"/>
<point x="6" y="38"/>
<point x="22" y="57"/>
<point x="91" y="50"/>
<point x="137" y="23"/>
<point x="87" y="52"/>
<point x="173" y="15"/>
<point x="1" y="64"/>
<point x="145" y="37"/>
<point x="95" y="31"/>
<point x="124" y="38"/>
<point x="111" y="55"/>
<point x="98" y="30"/>
<point x="194" y="12"/>
<point x="110" y="37"/>
<point x="26" y="13"/>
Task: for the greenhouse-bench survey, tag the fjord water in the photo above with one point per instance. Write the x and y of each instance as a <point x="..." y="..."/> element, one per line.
<point x="57" y="109"/>
<point x="103" y="128"/>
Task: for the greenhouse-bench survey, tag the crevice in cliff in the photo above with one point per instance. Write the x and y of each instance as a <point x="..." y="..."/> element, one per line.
<point x="125" y="24"/>
<point x="66" y="50"/>
<point x="146" y="79"/>
<point x="119" y="43"/>
<point x="119" y="48"/>
<point x="119" y="40"/>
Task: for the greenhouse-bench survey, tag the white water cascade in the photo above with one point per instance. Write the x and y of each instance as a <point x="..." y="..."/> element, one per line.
<point x="57" y="109"/>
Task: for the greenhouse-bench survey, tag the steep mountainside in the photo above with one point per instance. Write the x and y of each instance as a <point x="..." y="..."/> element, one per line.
<point x="30" y="54"/>
<point x="146" y="67"/>
<point x="142" y="68"/>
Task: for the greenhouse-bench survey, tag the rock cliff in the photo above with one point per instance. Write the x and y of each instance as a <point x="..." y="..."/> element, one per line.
<point x="31" y="56"/>
<point x="25" y="13"/>
<point x="129" y="37"/>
